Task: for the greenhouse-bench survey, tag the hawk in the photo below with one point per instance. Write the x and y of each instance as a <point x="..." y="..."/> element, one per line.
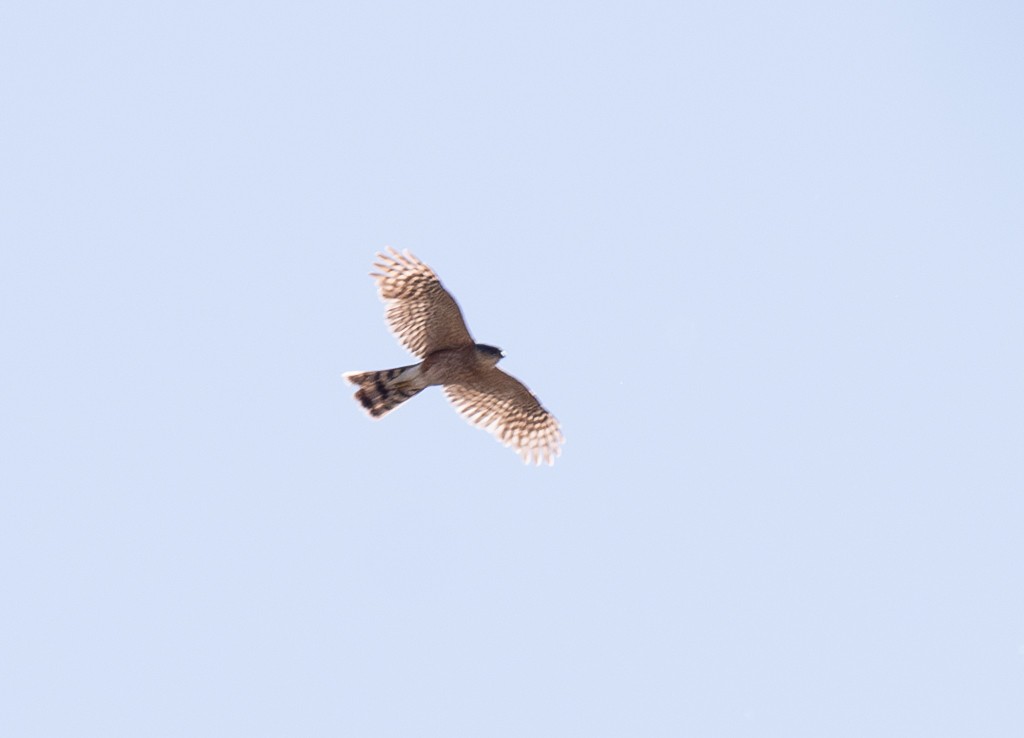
<point x="427" y="321"/>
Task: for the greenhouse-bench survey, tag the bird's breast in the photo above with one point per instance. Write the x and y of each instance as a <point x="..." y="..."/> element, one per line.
<point x="448" y="366"/>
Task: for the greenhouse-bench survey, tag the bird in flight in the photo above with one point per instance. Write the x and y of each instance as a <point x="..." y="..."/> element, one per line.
<point x="426" y="320"/>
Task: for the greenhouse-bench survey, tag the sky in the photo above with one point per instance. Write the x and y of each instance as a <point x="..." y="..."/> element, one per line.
<point x="762" y="260"/>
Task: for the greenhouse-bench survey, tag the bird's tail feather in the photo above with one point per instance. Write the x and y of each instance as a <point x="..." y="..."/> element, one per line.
<point x="381" y="392"/>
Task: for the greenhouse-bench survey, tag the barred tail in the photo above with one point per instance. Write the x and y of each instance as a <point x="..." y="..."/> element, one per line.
<point x="383" y="391"/>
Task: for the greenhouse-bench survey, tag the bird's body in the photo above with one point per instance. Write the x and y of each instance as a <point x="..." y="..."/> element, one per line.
<point x="427" y="320"/>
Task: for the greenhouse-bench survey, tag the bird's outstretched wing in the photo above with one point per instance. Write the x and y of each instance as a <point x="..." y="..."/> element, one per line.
<point x="502" y="405"/>
<point x="420" y="311"/>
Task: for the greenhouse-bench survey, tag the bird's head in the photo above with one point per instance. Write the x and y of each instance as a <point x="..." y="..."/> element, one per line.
<point x="490" y="354"/>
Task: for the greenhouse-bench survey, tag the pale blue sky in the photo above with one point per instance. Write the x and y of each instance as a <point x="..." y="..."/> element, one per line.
<point x="763" y="260"/>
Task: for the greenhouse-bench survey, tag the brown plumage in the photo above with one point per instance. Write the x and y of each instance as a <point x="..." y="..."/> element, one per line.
<point x="427" y="321"/>
<point x="379" y="392"/>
